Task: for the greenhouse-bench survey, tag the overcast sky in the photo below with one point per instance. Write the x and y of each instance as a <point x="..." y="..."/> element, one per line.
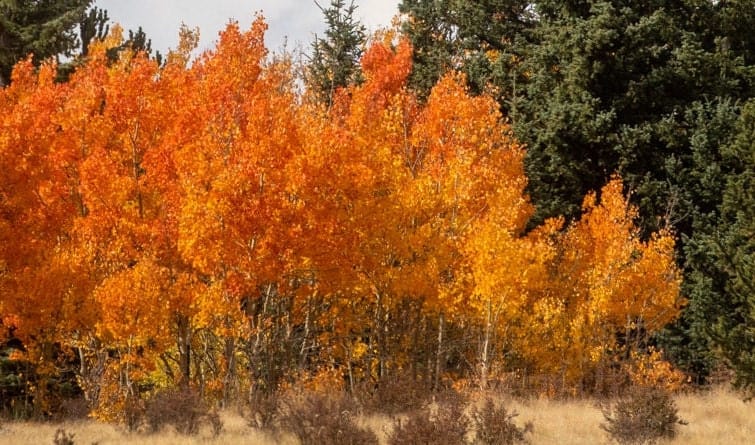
<point x="296" y="21"/>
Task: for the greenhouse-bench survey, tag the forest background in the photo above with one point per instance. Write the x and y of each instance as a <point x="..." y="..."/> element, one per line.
<point x="553" y="195"/>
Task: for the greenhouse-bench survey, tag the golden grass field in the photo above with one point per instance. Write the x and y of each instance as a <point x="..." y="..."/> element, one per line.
<point x="715" y="417"/>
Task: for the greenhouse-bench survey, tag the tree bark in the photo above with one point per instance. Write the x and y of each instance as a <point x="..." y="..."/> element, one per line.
<point x="439" y="352"/>
<point x="184" y="350"/>
<point x="484" y="357"/>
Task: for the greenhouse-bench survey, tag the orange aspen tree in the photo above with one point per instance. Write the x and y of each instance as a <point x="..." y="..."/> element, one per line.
<point x="120" y="115"/>
<point x="39" y="301"/>
<point x="235" y="135"/>
<point x="507" y="269"/>
<point x="472" y="172"/>
<point x="407" y="184"/>
<point x="349" y="180"/>
<point x="166" y="224"/>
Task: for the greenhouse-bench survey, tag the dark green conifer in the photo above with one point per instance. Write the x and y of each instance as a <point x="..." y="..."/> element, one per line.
<point x="479" y="37"/>
<point x="334" y="62"/>
<point x="45" y="28"/>
<point x="729" y="274"/>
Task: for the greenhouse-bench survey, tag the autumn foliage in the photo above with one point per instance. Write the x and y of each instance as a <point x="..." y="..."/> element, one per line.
<point x="204" y="224"/>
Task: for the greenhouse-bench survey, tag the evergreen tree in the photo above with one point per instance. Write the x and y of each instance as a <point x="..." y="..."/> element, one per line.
<point x="44" y="27"/>
<point x="94" y="25"/>
<point x="700" y="181"/>
<point x="609" y="90"/>
<point x="729" y="306"/>
<point x="478" y="37"/>
<point x="334" y="62"/>
<point x="138" y="41"/>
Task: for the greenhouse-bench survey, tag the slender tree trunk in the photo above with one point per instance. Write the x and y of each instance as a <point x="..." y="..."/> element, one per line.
<point x="184" y="350"/>
<point x="439" y="351"/>
<point x="256" y="353"/>
<point x="418" y="338"/>
<point x="136" y="166"/>
<point x="484" y="359"/>
<point x="429" y="354"/>
<point x="379" y="333"/>
<point x="303" y="351"/>
<point x="349" y="366"/>
<point x="230" y="372"/>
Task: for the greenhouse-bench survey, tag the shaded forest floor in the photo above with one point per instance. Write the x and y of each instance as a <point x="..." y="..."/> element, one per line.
<point x="717" y="416"/>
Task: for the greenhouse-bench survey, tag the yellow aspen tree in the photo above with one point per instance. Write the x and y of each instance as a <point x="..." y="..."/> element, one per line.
<point x="612" y="288"/>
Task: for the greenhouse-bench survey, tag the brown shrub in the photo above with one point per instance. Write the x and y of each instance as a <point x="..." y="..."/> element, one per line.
<point x="72" y="409"/>
<point x="133" y="412"/>
<point x="644" y="416"/>
<point x="262" y="410"/>
<point x="495" y="425"/>
<point x="393" y="395"/>
<point x="183" y="409"/>
<point x="316" y="418"/>
<point x="62" y="437"/>
<point x="442" y="422"/>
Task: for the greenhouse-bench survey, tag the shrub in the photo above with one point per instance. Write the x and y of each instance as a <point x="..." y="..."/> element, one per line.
<point x="62" y="438"/>
<point x="71" y="409"/>
<point x="650" y="369"/>
<point x="183" y="409"/>
<point x="316" y="418"/>
<point x="495" y="426"/>
<point x="442" y="422"/>
<point x="262" y="410"/>
<point x="644" y="416"/>
<point x="393" y="395"/>
<point x="133" y="412"/>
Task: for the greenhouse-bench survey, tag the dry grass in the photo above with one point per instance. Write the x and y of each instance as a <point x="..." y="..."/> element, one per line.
<point x="557" y="422"/>
<point x="235" y="431"/>
<point x="715" y="417"/>
<point x="718" y="417"/>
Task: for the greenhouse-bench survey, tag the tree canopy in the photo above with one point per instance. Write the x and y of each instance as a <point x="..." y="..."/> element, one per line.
<point x="199" y="224"/>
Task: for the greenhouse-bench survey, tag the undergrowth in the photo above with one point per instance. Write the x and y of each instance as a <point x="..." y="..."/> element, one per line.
<point x="644" y="416"/>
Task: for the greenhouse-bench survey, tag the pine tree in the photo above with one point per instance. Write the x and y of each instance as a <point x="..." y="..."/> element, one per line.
<point x="334" y="62"/>
<point x="477" y="37"/>
<point x="730" y="307"/>
<point x="696" y="198"/>
<point x="94" y="25"/>
<point x="44" y="28"/>
<point x="137" y="41"/>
